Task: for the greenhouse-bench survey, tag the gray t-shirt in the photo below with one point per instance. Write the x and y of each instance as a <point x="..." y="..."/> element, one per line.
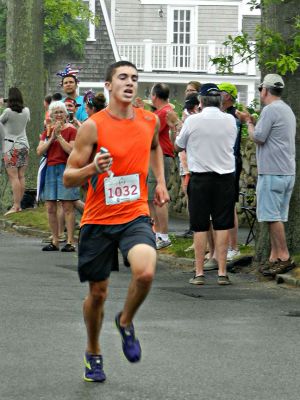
<point x="276" y="130"/>
<point x="15" y="128"/>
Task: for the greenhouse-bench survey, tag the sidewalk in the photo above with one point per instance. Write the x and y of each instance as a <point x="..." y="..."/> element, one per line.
<point x="176" y="226"/>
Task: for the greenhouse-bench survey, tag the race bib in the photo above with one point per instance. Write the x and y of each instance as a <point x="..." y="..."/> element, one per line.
<point x="119" y="189"/>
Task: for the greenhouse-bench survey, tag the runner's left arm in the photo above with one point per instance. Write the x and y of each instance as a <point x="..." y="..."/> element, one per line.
<point x="157" y="164"/>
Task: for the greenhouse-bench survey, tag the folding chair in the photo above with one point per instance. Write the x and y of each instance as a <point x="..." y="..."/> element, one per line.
<point x="249" y="210"/>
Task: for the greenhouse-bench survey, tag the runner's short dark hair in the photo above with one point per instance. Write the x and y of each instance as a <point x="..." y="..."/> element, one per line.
<point x="112" y="68"/>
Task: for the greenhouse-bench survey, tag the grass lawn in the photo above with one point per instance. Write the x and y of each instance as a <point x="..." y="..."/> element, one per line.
<point x="180" y="245"/>
<point x="37" y="218"/>
<point x="31" y="217"/>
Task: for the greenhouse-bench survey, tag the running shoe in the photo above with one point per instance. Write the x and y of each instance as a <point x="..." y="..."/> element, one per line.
<point x="130" y="344"/>
<point x="210" y="264"/>
<point x="93" y="368"/>
<point x="232" y="253"/>
<point x="161" y="244"/>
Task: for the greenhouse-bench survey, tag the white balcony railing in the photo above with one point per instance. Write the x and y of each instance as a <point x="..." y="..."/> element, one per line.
<point x="149" y="56"/>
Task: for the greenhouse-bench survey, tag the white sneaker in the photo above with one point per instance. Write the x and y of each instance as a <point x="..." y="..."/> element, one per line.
<point x="160" y="244"/>
<point x="211" y="264"/>
<point x="231" y="254"/>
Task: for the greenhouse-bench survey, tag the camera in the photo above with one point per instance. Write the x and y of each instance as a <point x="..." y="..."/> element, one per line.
<point x="71" y="116"/>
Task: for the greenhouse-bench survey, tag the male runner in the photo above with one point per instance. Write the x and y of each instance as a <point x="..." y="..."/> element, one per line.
<point x="116" y="213"/>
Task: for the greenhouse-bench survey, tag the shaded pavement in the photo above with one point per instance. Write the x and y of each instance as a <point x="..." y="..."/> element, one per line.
<point x="217" y="343"/>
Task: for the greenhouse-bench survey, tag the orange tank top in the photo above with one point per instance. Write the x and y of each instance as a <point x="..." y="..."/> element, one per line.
<point x="129" y="143"/>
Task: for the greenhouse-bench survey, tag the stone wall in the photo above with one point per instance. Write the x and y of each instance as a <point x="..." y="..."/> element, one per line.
<point x="178" y="205"/>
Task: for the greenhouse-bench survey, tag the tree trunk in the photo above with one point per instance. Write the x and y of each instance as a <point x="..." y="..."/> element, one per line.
<point x="24" y="68"/>
<point x="279" y="18"/>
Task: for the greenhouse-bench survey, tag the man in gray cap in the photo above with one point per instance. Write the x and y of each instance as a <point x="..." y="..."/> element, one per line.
<point x="274" y="135"/>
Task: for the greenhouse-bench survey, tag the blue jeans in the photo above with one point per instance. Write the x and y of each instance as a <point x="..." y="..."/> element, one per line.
<point x="54" y="188"/>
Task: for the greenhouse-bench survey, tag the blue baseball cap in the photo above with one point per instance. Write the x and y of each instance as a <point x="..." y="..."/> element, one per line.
<point x="209" y="89"/>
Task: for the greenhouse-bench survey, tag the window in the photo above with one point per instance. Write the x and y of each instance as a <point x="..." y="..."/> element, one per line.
<point x="183" y="34"/>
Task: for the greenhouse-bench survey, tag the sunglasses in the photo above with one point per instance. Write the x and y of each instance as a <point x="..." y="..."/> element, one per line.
<point x="260" y="88"/>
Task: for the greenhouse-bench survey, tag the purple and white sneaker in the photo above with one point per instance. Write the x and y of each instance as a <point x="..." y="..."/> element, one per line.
<point x="130" y="344"/>
<point x="93" y="368"/>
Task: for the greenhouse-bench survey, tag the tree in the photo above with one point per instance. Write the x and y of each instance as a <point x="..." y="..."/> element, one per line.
<point x="283" y="18"/>
<point x="34" y="31"/>
<point x="65" y="27"/>
<point x="25" y="67"/>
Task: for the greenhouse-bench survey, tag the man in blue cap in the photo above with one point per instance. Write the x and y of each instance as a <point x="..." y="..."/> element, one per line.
<point x="208" y="138"/>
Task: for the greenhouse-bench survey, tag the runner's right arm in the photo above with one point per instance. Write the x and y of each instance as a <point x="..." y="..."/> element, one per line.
<point x="81" y="165"/>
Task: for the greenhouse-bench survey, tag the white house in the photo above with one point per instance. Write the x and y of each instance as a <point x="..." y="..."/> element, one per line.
<point x="169" y="41"/>
<point x="172" y="41"/>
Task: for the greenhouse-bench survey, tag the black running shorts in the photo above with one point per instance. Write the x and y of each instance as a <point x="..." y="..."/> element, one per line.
<point x="99" y="244"/>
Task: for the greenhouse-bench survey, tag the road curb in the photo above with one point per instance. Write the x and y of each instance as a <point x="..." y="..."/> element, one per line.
<point x="4" y="223"/>
<point x="176" y="261"/>
<point x="289" y="279"/>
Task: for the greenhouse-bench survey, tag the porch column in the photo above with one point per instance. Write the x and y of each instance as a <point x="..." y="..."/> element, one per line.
<point x="211" y="69"/>
<point x="239" y="67"/>
<point x="148" y="55"/>
<point x="252" y="63"/>
<point x="250" y="92"/>
<point x="92" y="28"/>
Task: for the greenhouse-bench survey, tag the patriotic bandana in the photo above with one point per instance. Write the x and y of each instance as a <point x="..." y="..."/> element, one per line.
<point x="89" y="96"/>
<point x="68" y="71"/>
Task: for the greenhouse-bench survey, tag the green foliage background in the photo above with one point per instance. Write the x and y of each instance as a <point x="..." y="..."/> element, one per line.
<point x="65" y="27"/>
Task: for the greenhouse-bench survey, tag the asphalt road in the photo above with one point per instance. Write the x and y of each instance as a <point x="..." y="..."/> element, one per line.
<point x="213" y="343"/>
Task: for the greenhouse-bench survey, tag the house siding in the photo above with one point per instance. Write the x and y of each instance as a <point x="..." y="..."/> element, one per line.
<point x="250" y="23"/>
<point x="216" y="23"/>
<point x="136" y="22"/>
